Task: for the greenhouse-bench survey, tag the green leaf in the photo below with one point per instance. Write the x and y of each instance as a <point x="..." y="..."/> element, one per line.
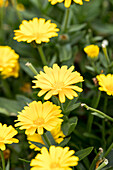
<point x="24" y="160"/>
<point x="76" y="27"/>
<point x="4" y="111"/>
<point x="8" y="165"/>
<point x="97" y="114"/>
<point x="64" y="142"/>
<point x="39" y="145"/>
<point x="72" y="107"/>
<point x="50" y="137"/>
<point x="84" y="152"/>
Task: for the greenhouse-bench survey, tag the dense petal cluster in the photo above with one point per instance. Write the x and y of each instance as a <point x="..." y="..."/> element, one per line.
<point x="9" y="65"/>
<point x="58" y="81"/>
<point x="106" y="83"/>
<point x="56" y="133"/>
<point x="67" y="3"/>
<point x="92" y="51"/>
<point x="56" y="158"/>
<point x="6" y="136"/>
<point x="3" y="3"/>
<point x="38" y="116"/>
<point x="37" y="30"/>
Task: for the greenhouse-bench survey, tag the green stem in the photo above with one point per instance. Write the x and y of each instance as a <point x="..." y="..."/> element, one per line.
<point x="106" y="53"/>
<point x="14" y="3"/>
<point x="46" y="140"/>
<point x="102" y="165"/>
<point x="31" y="67"/>
<point x="91" y="117"/>
<point x="6" y="88"/>
<point x="108" y="151"/>
<point x="43" y="58"/>
<point x="65" y="21"/>
<point x="3" y="160"/>
<point x="99" y="112"/>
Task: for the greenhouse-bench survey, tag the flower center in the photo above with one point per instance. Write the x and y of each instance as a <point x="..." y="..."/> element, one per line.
<point x="39" y="121"/>
<point x="110" y="87"/>
<point x="54" y="165"/>
<point x="58" y="86"/>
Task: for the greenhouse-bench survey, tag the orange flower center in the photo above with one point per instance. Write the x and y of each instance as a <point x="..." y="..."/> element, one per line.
<point x="110" y="87"/>
<point x="54" y="165"/>
<point x="58" y="86"/>
<point x="39" y="121"/>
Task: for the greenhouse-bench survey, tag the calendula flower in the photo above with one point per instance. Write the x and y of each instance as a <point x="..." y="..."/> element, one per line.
<point x="9" y="65"/>
<point x="92" y="51"/>
<point x="39" y="116"/>
<point x="58" y="81"/>
<point x="67" y="3"/>
<point x="106" y="83"/>
<point x="6" y="136"/>
<point x="3" y="3"/>
<point x="56" y="133"/>
<point x="20" y="7"/>
<point x="37" y="30"/>
<point x="56" y="158"/>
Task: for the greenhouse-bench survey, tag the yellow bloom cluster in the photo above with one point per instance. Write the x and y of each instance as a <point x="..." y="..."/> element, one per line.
<point x="6" y="136"/>
<point x="37" y="30"/>
<point x="56" y="158"/>
<point x="67" y="3"/>
<point x="3" y="3"/>
<point x="92" y="51"/>
<point x="58" y="81"/>
<point x="106" y="83"/>
<point x="9" y="65"/>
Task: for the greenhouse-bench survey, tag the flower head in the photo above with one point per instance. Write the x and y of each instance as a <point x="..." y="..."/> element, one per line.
<point x="38" y="116"/>
<point x="106" y="83"/>
<point x="3" y="3"/>
<point x="56" y="158"/>
<point x="6" y="136"/>
<point x="58" y="81"/>
<point x="9" y="65"/>
<point x="67" y="3"/>
<point x="56" y="133"/>
<point x="37" y="30"/>
<point x="92" y="51"/>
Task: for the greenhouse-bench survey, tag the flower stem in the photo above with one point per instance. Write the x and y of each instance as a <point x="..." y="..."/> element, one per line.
<point x="65" y="21"/>
<point x="106" y="53"/>
<point x="43" y="58"/>
<point x="31" y="67"/>
<point x="3" y="160"/>
<point x="46" y="140"/>
<point x="108" y="151"/>
<point x="99" y="112"/>
<point x="14" y="3"/>
<point x="6" y="88"/>
<point x="102" y="165"/>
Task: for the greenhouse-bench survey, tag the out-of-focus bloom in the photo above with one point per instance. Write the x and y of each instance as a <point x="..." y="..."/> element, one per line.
<point x="56" y="133"/>
<point x="67" y="3"/>
<point x="106" y="83"/>
<point x="58" y="81"/>
<point x="92" y="51"/>
<point x="20" y="7"/>
<point x="37" y="30"/>
<point x="3" y="3"/>
<point x="38" y="116"/>
<point x="6" y="136"/>
<point x="26" y="88"/>
<point x="9" y="65"/>
<point x="56" y="158"/>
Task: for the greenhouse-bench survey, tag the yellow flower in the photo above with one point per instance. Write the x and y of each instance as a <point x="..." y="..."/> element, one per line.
<point x="92" y="51"/>
<point x="37" y="30"/>
<point x="58" y="81"/>
<point x="9" y="65"/>
<point x="56" y="133"/>
<point x="20" y="7"/>
<point x="67" y="3"/>
<point x="6" y="136"/>
<point x="3" y="3"/>
<point x="106" y="83"/>
<point x="56" y="158"/>
<point x="38" y="116"/>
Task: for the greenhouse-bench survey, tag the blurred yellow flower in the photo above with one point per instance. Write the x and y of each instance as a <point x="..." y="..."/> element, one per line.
<point x="6" y="136"/>
<point x="9" y="65"/>
<point x="92" y="51"/>
<point x="3" y="3"/>
<point x="37" y="30"/>
<point x="56" y="133"/>
<point x="67" y="3"/>
<point x="106" y="83"/>
<point x="39" y="116"/>
<point x="56" y="158"/>
<point x="58" y="81"/>
<point x="20" y="7"/>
